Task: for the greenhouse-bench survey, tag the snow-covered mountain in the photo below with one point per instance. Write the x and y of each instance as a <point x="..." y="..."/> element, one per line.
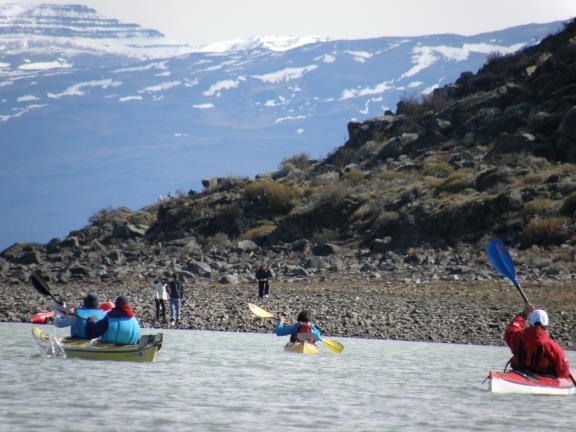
<point x="95" y="113"/>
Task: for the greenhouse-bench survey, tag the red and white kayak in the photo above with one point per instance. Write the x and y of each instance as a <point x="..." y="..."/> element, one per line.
<point x="523" y="382"/>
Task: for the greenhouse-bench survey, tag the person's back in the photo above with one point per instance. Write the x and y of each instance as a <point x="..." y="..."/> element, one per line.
<point x="303" y="325"/>
<point x="78" y="325"/>
<point x="532" y="348"/>
<point x="122" y="329"/>
<point x="120" y="326"/>
<point x="175" y="288"/>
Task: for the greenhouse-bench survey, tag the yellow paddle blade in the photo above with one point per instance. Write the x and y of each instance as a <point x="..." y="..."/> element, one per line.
<point x="333" y="345"/>
<point x="258" y="311"/>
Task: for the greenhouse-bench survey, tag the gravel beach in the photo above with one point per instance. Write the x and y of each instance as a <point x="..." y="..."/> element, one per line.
<point x="461" y="312"/>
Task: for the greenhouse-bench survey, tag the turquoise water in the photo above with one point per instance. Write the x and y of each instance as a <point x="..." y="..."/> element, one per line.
<point x="221" y="381"/>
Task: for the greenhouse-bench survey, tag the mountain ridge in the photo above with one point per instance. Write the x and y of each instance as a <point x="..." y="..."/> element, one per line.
<point x="73" y="133"/>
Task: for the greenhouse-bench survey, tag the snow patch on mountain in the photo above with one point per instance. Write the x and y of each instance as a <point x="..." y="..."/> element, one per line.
<point x="287" y="74"/>
<point x="424" y="56"/>
<point x="354" y="93"/>
<point x="216" y="89"/>
<point x="160" y="87"/>
<point x="45" y="65"/>
<point x="272" y="43"/>
<point x="78" y="89"/>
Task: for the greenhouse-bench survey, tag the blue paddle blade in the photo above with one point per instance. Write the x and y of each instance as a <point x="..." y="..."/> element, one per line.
<point x="501" y="260"/>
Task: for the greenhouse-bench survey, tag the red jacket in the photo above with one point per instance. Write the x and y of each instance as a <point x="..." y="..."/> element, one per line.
<point x="525" y="342"/>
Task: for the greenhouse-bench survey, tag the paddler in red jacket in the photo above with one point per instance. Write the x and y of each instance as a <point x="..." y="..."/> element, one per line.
<point x="531" y="346"/>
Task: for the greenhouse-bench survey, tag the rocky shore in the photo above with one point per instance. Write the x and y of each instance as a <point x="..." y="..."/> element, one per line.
<point x="411" y="305"/>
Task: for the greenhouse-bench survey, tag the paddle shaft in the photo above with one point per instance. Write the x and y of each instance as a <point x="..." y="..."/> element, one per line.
<point x="42" y="287"/>
<point x="517" y="285"/>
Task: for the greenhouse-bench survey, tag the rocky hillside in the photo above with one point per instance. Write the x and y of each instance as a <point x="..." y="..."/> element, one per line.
<point x="413" y="195"/>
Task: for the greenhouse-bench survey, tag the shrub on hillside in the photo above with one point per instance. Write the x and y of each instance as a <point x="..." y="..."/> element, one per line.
<point x="536" y="207"/>
<point x="111" y="214"/>
<point x="456" y="182"/>
<point x="545" y="231"/>
<point x="569" y="205"/>
<point x="272" y="196"/>
<point x="331" y="196"/>
<point x="325" y="235"/>
<point x="440" y="169"/>
<point x="353" y="177"/>
<point x="416" y="105"/>
<point x="299" y="160"/>
<point x="258" y="232"/>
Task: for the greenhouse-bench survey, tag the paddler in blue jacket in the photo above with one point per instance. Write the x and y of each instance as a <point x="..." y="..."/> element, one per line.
<point x="120" y="326"/>
<point x="303" y="325"/>
<point x="77" y="325"/>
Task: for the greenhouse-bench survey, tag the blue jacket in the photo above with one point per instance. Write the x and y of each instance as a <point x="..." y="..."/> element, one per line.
<point x="282" y="330"/>
<point x="77" y="325"/>
<point x="116" y="328"/>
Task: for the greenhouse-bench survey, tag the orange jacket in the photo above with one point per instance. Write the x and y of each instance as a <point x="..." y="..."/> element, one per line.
<point x="533" y="345"/>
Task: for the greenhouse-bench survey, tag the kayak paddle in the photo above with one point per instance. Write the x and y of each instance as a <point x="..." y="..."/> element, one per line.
<point x="331" y="344"/>
<point x="40" y="284"/>
<point x="502" y="261"/>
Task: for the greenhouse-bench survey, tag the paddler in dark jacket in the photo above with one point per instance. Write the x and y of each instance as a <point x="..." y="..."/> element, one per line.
<point x="303" y="325"/>
<point x="120" y="326"/>
<point x="532" y="348"/>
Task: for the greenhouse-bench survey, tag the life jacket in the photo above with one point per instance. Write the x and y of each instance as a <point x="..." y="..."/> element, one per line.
<point x="305" y="327"/>
<point x="78" y="329"/>
<point x="122" y="330"/>
<point x="531" y="353"/>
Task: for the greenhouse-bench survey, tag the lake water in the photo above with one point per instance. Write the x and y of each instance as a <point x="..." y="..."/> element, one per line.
<point x="220" y="381"/>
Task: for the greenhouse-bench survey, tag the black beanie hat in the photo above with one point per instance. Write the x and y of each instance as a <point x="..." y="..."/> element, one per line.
<point x="91" y="300"/>
<point x="122" y="300"/>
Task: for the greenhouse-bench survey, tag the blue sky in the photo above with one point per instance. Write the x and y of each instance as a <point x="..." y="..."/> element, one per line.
<point x="202" y="22"/>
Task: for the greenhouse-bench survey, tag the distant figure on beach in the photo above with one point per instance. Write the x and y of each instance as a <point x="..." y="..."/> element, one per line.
<point x="263" y="276"/>
<point x="176" y="293"/>
<point x="160" y="298"/>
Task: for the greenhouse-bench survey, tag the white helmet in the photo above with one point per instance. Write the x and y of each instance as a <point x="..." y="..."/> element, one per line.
<point x="538" y="316"/>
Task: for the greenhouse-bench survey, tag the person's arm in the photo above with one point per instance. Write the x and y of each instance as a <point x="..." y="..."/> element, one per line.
<point x="96" y="329"/>
<point x="558" y="358"/>
<point x="316" y="333"/>
<point x="513" y="332"/>
<point x="281" y="330"/>
<point x="63" y="322"/>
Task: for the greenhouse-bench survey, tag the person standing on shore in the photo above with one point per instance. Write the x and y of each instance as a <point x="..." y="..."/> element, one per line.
<point x="160" y="298"/>
<point x="176" y="293"/>
<point x="263" y="276"/>
<point x="532" y="348"/>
